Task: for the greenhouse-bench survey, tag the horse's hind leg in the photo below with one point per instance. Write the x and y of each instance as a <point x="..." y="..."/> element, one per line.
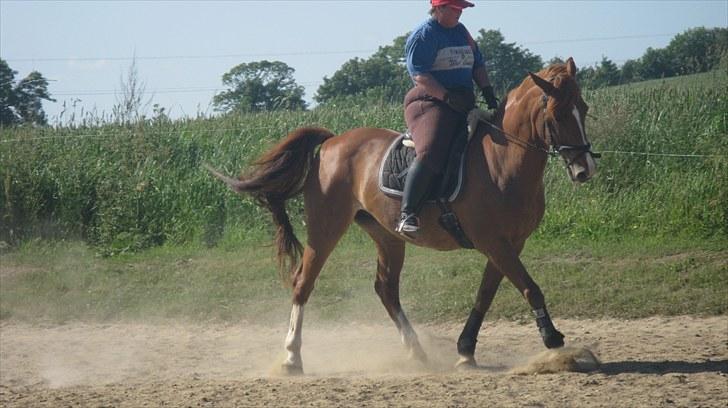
<point x="324" y="232"/>
<point x="389" y="265"/>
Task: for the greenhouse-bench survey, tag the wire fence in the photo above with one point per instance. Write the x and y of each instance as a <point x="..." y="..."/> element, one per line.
<point x="116" y="133"/>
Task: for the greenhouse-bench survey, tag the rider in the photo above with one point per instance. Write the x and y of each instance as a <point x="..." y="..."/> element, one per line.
<point x="443" y="61"/>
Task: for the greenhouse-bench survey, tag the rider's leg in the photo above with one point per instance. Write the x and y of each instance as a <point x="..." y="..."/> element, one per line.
<point x="416" y="186"/>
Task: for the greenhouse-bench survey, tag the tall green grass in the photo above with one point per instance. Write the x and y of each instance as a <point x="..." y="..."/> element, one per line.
<point x="655" y="193"/>
<point x="125" y="188"/>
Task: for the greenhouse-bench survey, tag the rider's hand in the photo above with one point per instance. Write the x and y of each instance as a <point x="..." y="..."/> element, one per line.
<point x="489" y="97"/>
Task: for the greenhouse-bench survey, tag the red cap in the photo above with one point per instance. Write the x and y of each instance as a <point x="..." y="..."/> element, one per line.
<point x="458" y="4"/>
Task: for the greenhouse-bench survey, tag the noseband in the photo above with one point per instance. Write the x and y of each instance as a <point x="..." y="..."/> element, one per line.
<point x="558" y="148"/>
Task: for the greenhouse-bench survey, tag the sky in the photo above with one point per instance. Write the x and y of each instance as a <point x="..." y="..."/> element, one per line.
<point x="182" y="48"/>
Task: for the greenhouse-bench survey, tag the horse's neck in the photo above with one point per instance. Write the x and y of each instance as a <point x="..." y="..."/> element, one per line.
<point x="516" y="164"/>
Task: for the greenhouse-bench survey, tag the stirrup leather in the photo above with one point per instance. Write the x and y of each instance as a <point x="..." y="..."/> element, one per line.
<point x="408" y="223"/>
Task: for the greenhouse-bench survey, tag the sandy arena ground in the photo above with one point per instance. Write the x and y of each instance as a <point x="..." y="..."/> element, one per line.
<point x="656" y="362"/>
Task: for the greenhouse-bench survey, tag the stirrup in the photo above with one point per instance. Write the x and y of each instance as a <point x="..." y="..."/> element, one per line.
<point x="408" y="223"/>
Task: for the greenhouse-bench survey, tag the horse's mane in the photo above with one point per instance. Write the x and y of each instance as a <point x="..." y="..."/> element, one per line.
<point x="566" y="86"/>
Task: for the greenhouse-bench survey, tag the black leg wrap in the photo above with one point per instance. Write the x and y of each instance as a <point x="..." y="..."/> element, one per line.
<point x="552" y="338"/>
<point x="469" y="337"/>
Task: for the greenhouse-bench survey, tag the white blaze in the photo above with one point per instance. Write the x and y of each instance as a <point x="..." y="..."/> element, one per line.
<point x="591" y="166"/>
<point x="578" y="122"/>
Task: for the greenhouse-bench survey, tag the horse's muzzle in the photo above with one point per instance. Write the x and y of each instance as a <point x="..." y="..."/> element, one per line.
<point x="581" y="171"/>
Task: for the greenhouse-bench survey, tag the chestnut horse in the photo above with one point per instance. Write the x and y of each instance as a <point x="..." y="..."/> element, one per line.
<point x="500" y="205"/>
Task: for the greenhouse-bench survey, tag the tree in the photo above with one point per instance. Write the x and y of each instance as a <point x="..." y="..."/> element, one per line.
<point x="630" y="72"/>
<point x="698" y="49"/>
<point x="385" y="70"/>
<point x="585" y="76"/>
<point x="507" y="63"/>
<point x="21" y="103"/>
<point x="260" y="86"/>
<point x="656" y="63"/>
<point x="604" y="74"/>
<point x="7" y="95"/>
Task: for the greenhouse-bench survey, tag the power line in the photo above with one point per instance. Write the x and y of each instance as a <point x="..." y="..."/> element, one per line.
<point x="298" y="53"/>
<point x="621" y="37"/>
<point x="26" y="81"/>
<point x="92" y="92"/>
<point x="171" y="57"/>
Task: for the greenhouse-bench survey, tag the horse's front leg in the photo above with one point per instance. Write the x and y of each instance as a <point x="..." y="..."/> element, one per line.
<point x="492" y="278"/>
<point x="506" y="259"/>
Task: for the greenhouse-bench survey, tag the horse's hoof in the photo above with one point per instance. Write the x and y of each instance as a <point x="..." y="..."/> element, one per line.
<point x="418" y="354"/>
<point x="291" y="370"/>
<point x="466" y="363"/>
<point x="552" y="338"/>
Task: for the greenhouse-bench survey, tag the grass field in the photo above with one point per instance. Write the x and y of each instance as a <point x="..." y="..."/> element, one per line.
<point x="587" y="279"/>
<point x="108" y="222"/>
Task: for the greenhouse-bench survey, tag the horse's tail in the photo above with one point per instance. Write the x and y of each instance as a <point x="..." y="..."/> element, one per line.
<point x="278" y="176"/>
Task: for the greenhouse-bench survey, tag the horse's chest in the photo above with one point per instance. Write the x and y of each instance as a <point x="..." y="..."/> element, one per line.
<point x="526" y="211"/>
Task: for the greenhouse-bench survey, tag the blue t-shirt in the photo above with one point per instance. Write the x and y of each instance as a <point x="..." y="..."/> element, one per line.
<point x="448" y="54"/>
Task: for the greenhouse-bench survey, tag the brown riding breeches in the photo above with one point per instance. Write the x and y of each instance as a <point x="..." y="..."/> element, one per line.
<point x="433" y="125"/>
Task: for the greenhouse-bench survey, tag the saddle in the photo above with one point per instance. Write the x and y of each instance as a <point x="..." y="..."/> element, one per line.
<point x="401" y="153"/>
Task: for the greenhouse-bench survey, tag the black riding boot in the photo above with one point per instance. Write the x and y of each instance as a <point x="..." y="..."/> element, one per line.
<point x="416" y="186"/>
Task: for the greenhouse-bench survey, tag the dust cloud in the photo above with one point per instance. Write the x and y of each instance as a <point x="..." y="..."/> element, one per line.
<point x="649" y="362"/>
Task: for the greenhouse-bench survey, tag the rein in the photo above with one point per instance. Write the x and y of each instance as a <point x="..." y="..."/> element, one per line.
<point x="517" y="141"/>
<point x="556" y="148"/>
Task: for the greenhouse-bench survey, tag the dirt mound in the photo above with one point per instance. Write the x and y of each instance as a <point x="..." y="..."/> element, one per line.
<point x="565" y="359"/>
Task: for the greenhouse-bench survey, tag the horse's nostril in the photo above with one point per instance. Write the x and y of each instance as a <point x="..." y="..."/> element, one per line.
<point x="582" y="177"/>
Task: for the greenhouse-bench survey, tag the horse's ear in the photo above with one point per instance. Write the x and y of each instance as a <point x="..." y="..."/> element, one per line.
<point x="571" y="67"/>
<point x="545" y="85"/>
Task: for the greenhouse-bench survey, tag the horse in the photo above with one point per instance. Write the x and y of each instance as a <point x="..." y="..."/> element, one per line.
<point x="500" y="205"/>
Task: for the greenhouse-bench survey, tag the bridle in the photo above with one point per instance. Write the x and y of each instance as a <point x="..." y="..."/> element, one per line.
<point x="558" y="148"/>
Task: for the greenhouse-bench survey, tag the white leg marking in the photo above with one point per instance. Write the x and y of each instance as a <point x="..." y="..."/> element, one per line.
<point x="406" y="332"/>
<point x="293" y="339"/>
<point x="409" y="338"/>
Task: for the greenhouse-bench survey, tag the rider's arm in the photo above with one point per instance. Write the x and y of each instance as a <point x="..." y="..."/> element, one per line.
<point x="480" y="76"/>
<point x="431" y="86"/>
